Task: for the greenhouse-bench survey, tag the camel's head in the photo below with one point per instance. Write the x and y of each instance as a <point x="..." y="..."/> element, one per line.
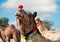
<point x="26" y="20"/>
<point x="38" y="21"/>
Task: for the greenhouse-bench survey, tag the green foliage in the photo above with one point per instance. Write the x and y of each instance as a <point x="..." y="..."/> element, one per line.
<point x="48" y="24"/>
<point x="4" y="21"/>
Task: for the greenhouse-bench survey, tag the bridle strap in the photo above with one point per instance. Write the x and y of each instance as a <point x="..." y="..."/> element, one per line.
<point x="34" y="29"/>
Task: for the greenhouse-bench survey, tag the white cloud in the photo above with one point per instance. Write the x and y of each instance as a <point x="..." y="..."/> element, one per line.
<point x="40" y="5"/>
<point x="33" y="5"/>
<point x="44" y="16"/>
<point x="47" y="8"/>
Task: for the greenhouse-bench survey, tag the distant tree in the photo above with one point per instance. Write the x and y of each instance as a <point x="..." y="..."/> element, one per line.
<point x="48" y="24"/>
<point x="4" y="21"/>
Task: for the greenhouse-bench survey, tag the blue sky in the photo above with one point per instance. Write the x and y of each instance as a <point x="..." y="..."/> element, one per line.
<point x="47" y="9"/>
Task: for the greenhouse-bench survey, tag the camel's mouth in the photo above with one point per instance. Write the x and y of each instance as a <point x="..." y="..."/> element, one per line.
<point x="18" y="15"/>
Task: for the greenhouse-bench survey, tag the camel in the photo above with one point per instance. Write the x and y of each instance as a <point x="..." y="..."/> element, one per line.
<point x="28" y="26"/>
<point x="2" y="36"/>
<point x="48" y="34"/>
<point x="12" y="33"/>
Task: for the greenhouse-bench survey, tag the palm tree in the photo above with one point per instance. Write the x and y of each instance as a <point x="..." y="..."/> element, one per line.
<point x="4" y="22"/>
<point x="48" y="24"/>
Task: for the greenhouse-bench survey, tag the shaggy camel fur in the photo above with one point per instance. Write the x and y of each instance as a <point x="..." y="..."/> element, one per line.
<point x="2" y="36"/>
<point x="11" y="32"/>
<point x="48" y="34"/>
<point x="27" y="23"/>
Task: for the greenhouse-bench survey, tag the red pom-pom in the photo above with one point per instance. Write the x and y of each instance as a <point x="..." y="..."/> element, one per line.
<point x="20" y="6"/>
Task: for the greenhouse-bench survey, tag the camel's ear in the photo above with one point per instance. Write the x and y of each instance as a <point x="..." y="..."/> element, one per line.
<point x="35" y="14"/>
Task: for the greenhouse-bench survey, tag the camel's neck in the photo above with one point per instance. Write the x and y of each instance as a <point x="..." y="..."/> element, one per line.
<point x="38" y="38"/>
<point x="42" y="29"/>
